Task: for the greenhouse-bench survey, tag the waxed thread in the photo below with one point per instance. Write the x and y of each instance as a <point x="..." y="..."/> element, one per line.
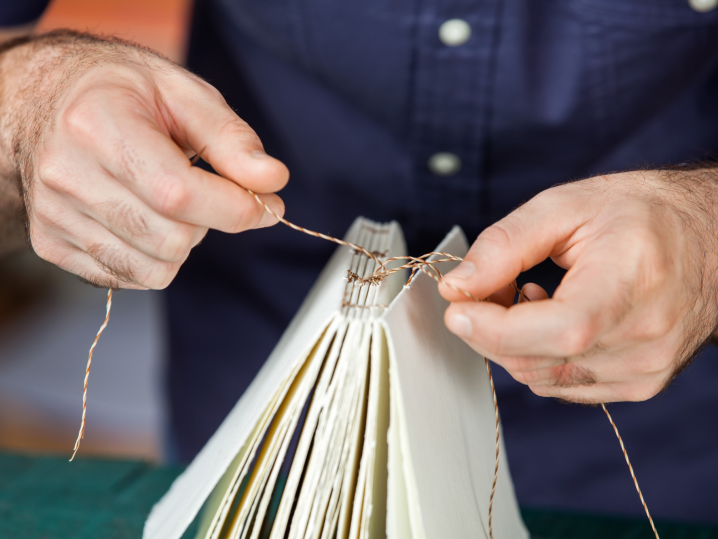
<point x="421" y="263"/>
<point x="81" y="434"/>
<point x="633" y="475"/>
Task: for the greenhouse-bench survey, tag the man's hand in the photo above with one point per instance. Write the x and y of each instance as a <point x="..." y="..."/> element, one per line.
<point x="97" y="135"/>
<point x="637" y="302"/>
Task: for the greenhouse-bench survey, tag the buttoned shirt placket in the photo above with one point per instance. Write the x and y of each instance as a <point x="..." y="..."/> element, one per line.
<point x="450" y="114"/>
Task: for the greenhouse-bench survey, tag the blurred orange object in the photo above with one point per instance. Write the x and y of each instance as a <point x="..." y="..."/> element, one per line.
<point x="161" y="25"/>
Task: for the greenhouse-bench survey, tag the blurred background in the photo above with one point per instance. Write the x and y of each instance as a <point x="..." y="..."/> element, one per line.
<point x="48" y="318"/>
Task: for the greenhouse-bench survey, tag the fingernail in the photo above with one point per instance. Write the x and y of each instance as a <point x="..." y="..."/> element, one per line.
<point x="459" y="325"/>
<point x="259" y="154"/>
<point x="462" y="271"/>
<point x="268" y="219"/>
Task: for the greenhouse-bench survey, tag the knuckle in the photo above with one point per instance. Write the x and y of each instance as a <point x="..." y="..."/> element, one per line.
<point x="552" y="194"/>
<point x="526" y="377"/>
<point x="511" y="364"/>
<point x="235" y="127"/>
<point x="43" y="217"/>
<point x="48" y="250"/>
<point x="496" y="236"/>
<point x="576" y="339"/>
<point x="211" y="92"/>
<point x="176" y="244"/>
<point x="114" y="261"/>
<point x="160" y="275"/>
<point x="657" y="326"/>
<point x="42" y="248"/>
<point x="495" y="342"/>
<point x="170" y="197"/>
<point x="80" y="119"/>
<point x="542" y="390"/>
<point x="641" y="392"/>
<point x="126" y="218"/>
<point x="238" y="224"/>
<point x="53" y="174"/>
<point x="245" y="220"/>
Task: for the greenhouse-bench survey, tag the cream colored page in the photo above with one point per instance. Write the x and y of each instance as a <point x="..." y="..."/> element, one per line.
<point x="330" y="443"/>
<point x="176" y="510"/>
<point x="254" y="440"/>
<point x="408" y="471"/>
<point x="326" y="498"/>
<point x="350" y="474"/>
<point x="449" y="418"/>
<point x="277" y="437"/>
<point x="398" y="525"/>
<point x="316" y="409"/>
<point x="354" y="495"/>
<point x="217" y="498"/>
<point x="374" y="454"/>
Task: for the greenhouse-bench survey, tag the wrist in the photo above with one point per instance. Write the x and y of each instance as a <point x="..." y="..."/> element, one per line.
<point x="12" y="207"/>
<point x="36" y="75"/>
<point x="26" y="80"/>
<point x="693" y="192"/>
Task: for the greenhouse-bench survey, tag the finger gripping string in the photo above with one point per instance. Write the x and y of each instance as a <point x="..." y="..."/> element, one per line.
<point x="422" y="263"/>
<point x="425" y="264"/>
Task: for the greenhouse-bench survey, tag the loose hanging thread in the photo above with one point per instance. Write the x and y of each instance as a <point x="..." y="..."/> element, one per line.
<point x="421" y="263"/>
<point x="81" y="434"/>
<point x="635" y="481"/>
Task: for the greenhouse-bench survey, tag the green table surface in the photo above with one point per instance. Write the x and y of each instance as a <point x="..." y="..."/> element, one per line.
<point x="48" y="497"/>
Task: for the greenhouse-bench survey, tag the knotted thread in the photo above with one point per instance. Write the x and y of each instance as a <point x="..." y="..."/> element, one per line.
<point x="415" y="264"/>
<point x="423" y="263"/>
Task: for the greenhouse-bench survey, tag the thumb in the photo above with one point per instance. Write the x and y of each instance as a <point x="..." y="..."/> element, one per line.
<point x="538" y="229"/>
<point x="205" y="122"/>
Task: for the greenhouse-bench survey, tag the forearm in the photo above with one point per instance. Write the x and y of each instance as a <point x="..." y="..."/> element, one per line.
<point x="12" y="217"/>
<point x="703" y="187"/>
<point x="696" y="195"/>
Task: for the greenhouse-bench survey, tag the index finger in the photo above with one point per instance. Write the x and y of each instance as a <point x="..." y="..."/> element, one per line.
<point x="135" y="150"/>
<point x="202" y="120"/>
<point x="516" y="243"/>
<point x="587" y="304"/>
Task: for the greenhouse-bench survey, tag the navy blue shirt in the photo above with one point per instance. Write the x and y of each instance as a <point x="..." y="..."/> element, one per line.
<point x="355" y="97"/>
<point x="21" y="13"/>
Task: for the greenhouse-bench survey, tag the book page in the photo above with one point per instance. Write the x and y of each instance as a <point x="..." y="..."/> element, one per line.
<point x="276" y="441"/>
<point x="178" y="508"/>
<point x="448" y="416"/>
<point x="398" y="525"/>
<point x="375" y="452"/>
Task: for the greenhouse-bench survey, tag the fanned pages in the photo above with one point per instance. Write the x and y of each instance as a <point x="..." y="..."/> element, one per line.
<point x="369" y="420"/>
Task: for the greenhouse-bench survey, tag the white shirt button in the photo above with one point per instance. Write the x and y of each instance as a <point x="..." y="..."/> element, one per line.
<point x="703" y="5"/>
<point x="444" y="164"/>
<point x="455" y="32"/>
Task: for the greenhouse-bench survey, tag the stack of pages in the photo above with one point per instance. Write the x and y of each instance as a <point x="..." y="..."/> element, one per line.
<point x="369" y="420"/>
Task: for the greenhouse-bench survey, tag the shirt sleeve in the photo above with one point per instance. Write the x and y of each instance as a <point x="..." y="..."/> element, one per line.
<point x="21" y="12"/>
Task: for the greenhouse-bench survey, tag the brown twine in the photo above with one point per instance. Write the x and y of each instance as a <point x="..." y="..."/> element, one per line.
<point x="635" y="481"/>
<point x="81" y="434"/>
<point x="427" y="266"/>
<point x="421" y="263"/>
